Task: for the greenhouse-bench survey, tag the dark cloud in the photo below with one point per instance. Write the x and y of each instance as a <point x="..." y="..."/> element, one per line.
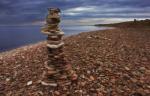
<point x="25" y="11"/>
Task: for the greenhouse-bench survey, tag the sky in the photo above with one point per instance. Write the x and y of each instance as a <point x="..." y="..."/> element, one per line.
<point x="33" y="12"/>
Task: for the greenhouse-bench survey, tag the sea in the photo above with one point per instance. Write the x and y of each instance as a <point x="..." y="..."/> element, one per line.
<point x="12" y="37"/>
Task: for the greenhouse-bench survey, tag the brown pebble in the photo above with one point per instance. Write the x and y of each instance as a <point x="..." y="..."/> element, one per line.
<point x="92" y="78"/>
<point x="74" y="77"/>
<point x="57" y="93"/>
<point x="2" y="87"/>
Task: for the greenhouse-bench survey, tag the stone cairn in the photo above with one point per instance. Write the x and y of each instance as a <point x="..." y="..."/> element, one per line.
<point x="58" y="70"/>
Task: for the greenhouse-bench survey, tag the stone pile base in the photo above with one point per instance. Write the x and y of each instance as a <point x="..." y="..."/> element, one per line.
<point x="58" y="71"/>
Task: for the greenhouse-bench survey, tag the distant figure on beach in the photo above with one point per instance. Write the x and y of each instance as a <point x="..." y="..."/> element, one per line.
<point x="135" y="20"/>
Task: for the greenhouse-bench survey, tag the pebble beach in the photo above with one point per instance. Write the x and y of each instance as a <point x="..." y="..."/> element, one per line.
<point x="113" y="62"/>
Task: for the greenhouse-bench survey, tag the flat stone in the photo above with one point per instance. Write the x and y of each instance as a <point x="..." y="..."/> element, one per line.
<point x="54" y="42"/>
<point x="127" y="68"/>
<point x="49" y="84"/>
<point x="53" y="36"/>
<point x="53" y="33"/>
<point x="55" y="46"/>
<point x="51" y="72"/>
<point x="54" y="16"/>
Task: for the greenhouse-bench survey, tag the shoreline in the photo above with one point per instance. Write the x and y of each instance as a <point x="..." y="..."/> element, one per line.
<point x="30" y="35"/>
<point x="30" y="44"/>
<point x="108" y="62"/>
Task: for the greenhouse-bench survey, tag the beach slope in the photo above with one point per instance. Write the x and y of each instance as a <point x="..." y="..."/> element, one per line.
<point x="112" y="62"/>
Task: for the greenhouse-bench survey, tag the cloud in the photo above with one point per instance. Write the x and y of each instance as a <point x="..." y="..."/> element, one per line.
<point x="92" y="21"/>
<point x="82" y="9"/>
<point x="29" y="11"/>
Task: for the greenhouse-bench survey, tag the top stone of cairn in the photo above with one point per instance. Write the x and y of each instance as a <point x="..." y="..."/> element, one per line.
<point x="52" y="22"/>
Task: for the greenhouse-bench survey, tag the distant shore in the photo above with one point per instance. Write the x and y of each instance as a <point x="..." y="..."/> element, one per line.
<point x="129" y="24"/>
<point x="109" y="62"/>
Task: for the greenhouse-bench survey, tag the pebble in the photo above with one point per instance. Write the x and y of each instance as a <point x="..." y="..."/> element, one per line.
<point x="7" y="79"/>
<point x="81" y="91"/>
<point x="100" y="94"/>
<point x="144" y="59"/>
<point x="57" y="93"/>
<point x="142" y="68"/>
<point x="2" y="87"/>
<point x="127" y="68"/>
<point x="133" y="80"/>
<point x="147" y="72"/>
<point x="29" y="83"/>
<point x="136" y="94"/>
<point x="89" y="37"/>
<point x="113" y="80"/>
<point x="83" y="83"/>
<point x="82" y="76"/>
<point x="88" y="72"/>
<point x="74" y="77"/>
<point x="92" y="78"/>
<point x="40" y="93"/>
<point x="146" y="91"/>
<point x="78" y="91"/>
<point x="49" y="84"/>
<point x="148" y="86"/>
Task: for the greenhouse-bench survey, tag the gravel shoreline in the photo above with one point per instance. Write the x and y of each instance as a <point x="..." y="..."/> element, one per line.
<point x="112" y="62"/>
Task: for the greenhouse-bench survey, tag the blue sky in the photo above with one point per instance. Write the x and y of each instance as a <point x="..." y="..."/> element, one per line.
<point x="26" y="12"/>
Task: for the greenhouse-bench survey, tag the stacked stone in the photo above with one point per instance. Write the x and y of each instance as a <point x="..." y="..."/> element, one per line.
<point x="57" y="70"/>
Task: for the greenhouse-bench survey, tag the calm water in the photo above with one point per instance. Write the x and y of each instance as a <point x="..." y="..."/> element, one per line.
<point x="15" y="36"/>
